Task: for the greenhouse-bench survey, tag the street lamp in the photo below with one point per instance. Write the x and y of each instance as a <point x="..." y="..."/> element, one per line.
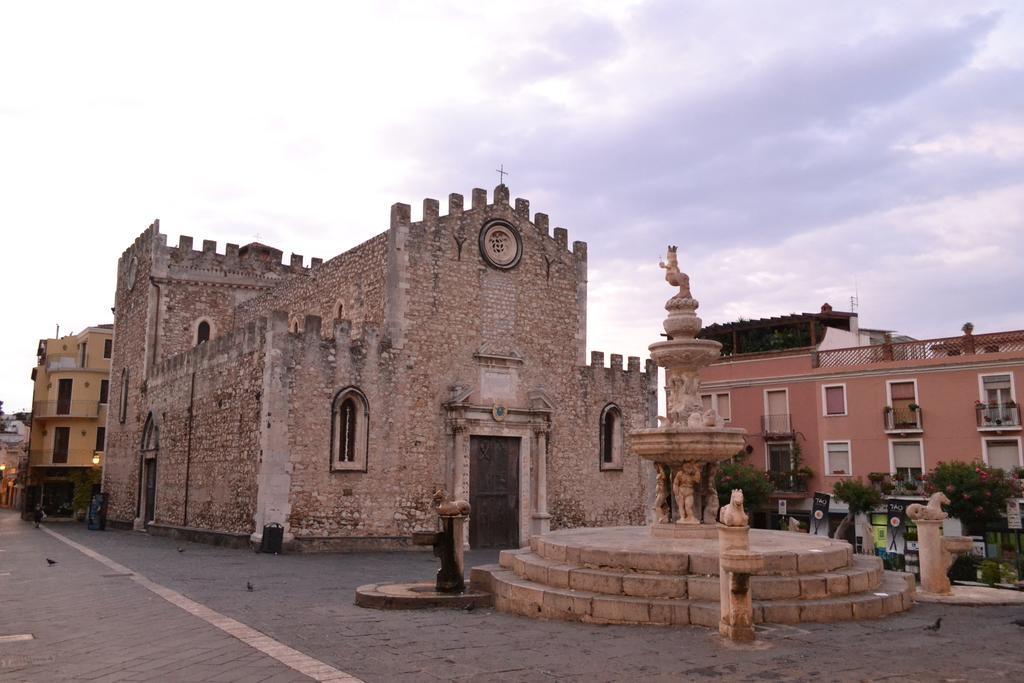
<point x="95" y="457"/>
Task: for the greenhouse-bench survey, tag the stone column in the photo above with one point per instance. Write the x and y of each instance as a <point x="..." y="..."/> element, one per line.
<point x="541" y="518"/>
<point x="936" y="554"/>
<point x="736" y="564"/>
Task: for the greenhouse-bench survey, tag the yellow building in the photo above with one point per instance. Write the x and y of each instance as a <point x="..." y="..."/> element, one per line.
<point x="69" y="417"/>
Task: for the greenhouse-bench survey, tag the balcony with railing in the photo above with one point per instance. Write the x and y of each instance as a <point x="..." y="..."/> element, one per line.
<point x="925" y="349"/>
<point x="997" y="416"/>
<point x="903" y="420"/>
<point x="46" y="409"/>
<point x="73" y="457"/>
<point x="788" y="482"/>
<point x="776" y="426"/>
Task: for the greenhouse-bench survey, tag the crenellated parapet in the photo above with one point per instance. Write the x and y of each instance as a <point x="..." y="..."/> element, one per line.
<point x="518" y="211"/>
<point x="224" y="349"/>
<point x="597" y="362"/>
<point x="254" y="258"/>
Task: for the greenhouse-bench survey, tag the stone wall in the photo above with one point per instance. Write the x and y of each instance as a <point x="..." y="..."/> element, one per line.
<point x="355" y="280"/>
<point x="580" y="493"/>
<point x="134" y="299"/>
<point x="199" y="285"/>
<point x="454" y="312"/>
<point x="206" y="403"/>
<point x="428" y="331"/>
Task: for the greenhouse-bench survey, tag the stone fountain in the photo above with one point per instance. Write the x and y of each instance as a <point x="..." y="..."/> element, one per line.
<point x="689" y="443"/>
<point x="694" y="570"/>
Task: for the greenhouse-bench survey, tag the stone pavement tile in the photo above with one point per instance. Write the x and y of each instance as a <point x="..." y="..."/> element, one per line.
<point x="306" y="601"/>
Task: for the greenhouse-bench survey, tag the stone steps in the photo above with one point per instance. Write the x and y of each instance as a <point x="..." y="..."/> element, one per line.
<point x="514" y="593"/>
<point x="863" y="574"/>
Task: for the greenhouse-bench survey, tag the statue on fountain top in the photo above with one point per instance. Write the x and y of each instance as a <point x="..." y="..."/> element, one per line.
<point x="673" y="275"/>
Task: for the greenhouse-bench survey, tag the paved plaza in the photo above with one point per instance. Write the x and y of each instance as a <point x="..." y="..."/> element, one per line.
<point x="127" y="606"/>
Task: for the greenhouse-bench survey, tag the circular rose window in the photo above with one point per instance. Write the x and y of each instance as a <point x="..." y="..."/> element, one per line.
<point x="501" y="245"/>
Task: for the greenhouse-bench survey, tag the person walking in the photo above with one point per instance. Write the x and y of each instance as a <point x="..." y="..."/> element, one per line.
<point x="38" y="515"/>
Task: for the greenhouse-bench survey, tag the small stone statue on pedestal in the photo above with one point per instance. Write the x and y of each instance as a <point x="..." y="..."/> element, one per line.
<point x="736" y="564"/>
<point x="936" y="552"/>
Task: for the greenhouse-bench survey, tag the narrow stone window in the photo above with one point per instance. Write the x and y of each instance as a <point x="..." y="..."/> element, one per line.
<point x="202" y="332"/>
<point x="122" y="411"/>
<point x="350" y="417"/>
<point x="611" y="438"/>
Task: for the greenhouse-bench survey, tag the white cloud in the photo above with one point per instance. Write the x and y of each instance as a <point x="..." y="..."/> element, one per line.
<point x="788" y="147"/>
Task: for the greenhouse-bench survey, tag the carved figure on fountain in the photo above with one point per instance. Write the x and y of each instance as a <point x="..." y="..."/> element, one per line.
<point x="933" y="510"/>
<point x="673" y="275"/>
<point x="661" y="507"/>
<point x="684" y="487"/>
<point x="733" y="514"/>
<point x="710" y="494"/>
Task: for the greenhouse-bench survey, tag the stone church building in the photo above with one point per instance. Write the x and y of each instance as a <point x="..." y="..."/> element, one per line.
<point x="335" y="398"/>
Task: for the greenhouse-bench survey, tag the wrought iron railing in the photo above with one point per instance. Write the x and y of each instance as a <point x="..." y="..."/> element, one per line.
<point x="776" y="425"/>
<point x="902" y="418"/>
<point x="788" y="481"/>
<point x="65" y="409"/>
<point x="998" y="414"/>
<point x="998" y="342"/>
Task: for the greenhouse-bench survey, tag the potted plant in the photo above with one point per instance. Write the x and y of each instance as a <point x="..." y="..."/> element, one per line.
<point x="887" y="409"/>
<point x="899" y="476"/>
<point x="914" y="407"/>
<point x="887" y="487"/>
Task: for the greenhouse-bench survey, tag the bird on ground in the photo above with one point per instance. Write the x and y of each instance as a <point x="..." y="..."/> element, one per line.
<point x="248" y="586"/>
<point x="51" y="562"/>
<point x="470" y="607"/>
<point x="1019" y="622"/>
<point x="936" y="626"/>
<point x="180" y="549"/>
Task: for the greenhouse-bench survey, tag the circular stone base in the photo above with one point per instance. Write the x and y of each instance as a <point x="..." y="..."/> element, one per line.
<point x="973" y="595"/>
<point x="418" y="596"/>
<point x="673" y="530"/>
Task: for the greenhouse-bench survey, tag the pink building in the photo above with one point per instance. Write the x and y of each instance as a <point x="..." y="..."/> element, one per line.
<point x="849" y="402"/>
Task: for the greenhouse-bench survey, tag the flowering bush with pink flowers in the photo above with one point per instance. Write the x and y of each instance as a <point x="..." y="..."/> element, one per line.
<point x="977" y="493"/>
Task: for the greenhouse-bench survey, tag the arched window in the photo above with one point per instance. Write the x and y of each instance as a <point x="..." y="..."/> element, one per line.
<point x="339" y="311"/>
<point x="150" y="435"/>
<point x="294" y="326"/>
<point x="202" y="332"/>
<point x="122" y="410"/>
<point x="350" y="421"/>
<point x="611" y="438"/>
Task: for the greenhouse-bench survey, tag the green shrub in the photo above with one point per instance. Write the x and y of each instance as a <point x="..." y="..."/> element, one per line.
<point x="739" y="474"/>
<point x="990" y="572"/>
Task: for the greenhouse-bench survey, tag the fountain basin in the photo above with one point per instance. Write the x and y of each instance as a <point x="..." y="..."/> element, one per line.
<point x="685" y="353"/>
<point x="675" y="445"/>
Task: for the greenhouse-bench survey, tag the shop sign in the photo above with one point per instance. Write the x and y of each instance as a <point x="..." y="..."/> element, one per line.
<point x="782" y="508"/>
<point x="819" y="512"/>
<point x="1013" y="514"/>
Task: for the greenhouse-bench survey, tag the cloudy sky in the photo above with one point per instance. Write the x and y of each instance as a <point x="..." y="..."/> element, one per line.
<point x="798" y="152"/>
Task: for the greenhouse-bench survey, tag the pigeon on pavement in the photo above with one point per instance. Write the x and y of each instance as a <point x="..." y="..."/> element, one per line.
<point x="248" y="586"/>
<point x="936" y="626"/>
<point x="51" y="562"/>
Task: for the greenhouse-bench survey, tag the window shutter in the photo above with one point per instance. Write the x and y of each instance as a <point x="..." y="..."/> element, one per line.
<point x="1003" y="454"/>
<point x="996" y="382"/>
<point x="902" y="390"/>
<point x="906" y="455"/>
<point x="724" y="409"/>
<point x="835" y="401"/>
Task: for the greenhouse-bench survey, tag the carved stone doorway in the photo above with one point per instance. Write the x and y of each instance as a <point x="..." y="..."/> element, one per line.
<point x="494" y="492"/>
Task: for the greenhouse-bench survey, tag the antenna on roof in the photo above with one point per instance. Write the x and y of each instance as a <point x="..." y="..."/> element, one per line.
<point x="855" y="299"/>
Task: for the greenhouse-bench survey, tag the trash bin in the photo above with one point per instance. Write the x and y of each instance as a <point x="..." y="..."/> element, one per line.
<point x="273" y="537"/>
